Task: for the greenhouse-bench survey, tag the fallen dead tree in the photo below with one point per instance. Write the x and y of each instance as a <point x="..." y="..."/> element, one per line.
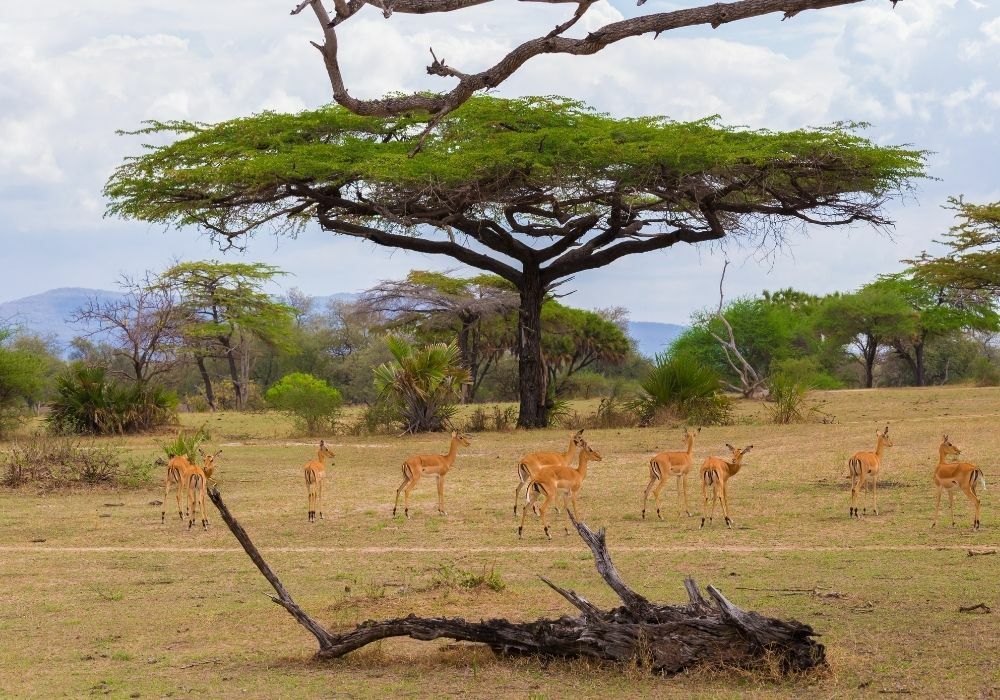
<point x="664" y="638"/>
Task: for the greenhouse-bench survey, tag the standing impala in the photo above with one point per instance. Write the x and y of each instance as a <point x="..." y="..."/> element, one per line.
<point x="550" y="481"/>
<point x="531" y="463"/>
<point x="676" y="464"/>
<point x="866" y="464"/>
<point x="435" y="465"/>
<point x="716" y="472"/>
<point x="949" y="476"/>
<point x="197" y="485"/>
<point x="315" y="472"/>
<point x="179" y="468"/>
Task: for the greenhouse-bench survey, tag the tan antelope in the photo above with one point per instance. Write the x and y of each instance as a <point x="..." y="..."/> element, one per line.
<point x="675" y="464"/>
<point x="435" y="465"/>
<point x="197" y="485"/>
<point x="949" y="476"/>
<point x="863" y="465"/>
<point x="178" y="470"/>
<point x="531" y="463"/>
<point x="315" y="472"/>
<point x="716" y="472"/>
<point x="550" y="481"/>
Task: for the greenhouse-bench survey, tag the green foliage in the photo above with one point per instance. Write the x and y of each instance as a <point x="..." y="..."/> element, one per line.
<point x="973" y="260"/>
<point x="422" y="384"/>
<point x="679" y="386"/>
<point x="497" y="419"/>
<point x="185" y="445"/>
<point x="788" y="400"/>
<point x="22" y="380"/>
<point x="87" y="402"/>
<point x="241" y="174"/>
<point x="808" y="372"/>
<point x="313" y="402"/>
<point x="573" y="339"/>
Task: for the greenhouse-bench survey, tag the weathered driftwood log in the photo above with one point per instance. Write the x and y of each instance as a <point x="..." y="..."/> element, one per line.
<point x="665" y="638"/>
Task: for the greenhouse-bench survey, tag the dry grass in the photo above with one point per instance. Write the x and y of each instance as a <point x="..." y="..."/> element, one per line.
<point x="102" y="599"/>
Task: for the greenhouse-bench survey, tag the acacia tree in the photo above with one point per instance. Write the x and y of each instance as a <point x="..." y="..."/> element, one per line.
<point x="227" y="308"/>
<point x="534" y="190"/>
<point x="553" y="41"/>
<point x="972" y="262"/>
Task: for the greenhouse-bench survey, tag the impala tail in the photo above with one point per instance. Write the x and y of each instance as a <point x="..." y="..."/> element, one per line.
<point x="977" y="478"/>
<point x="654" y="469"/>
<point x="854" y="466"/>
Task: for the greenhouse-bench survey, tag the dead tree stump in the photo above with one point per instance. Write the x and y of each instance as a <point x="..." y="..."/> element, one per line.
<point x="665" y="638"/>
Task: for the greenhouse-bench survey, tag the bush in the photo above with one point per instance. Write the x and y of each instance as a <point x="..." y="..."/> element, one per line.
<point x="807" y="371"/>
<point x="496" y="419"/>
<point x="680" y="387"/>
<point x="314" y="403"/>
<point x="984" y="373"/>
<point x="186" y="446"/>
<point x="788" y="402"/>
<point x="376" y="419"/>
<point x="88" y="403"/>
<point x="421" y="385"/>
<point x="54" y="461"/>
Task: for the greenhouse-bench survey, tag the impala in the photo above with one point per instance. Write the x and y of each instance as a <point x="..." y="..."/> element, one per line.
<point x="435" y="465"/>
<point x="866" y="464"/>
<point x="531" y="463"/>
<point x="197" y="485"/>
<point x="949" y="476"/>
<point x="178" y="470"/>
<point x="550" y="481"/>
<point x="315" y="472"/>
<point x="716" y="472"/>
<point x="676" y="464"/>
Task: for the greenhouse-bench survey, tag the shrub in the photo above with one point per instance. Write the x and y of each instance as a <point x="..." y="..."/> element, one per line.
<point x="984" y="373"/>
<point x="807" y="371"/>
<point x="187" y="446"/>
<point x="87" y="402"/>
<point x="314" y="403"/>
<point x="679" y="386"/>
<point x="788" y="402"/>
<point x="497" y="419"/>
<point x="376" y="419"/>
<point x="54" y="461"/>
<point x="421" y="385"/>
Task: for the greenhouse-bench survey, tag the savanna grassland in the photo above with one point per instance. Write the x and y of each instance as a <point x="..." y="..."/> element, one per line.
<point x="98" y="598"/>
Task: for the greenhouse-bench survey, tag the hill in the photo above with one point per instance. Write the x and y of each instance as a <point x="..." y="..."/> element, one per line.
<point x="652" y="338"/>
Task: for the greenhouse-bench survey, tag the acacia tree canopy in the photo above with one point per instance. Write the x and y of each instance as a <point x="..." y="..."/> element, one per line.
<point x="534" y="190"/>
<point x="973" y="260"/>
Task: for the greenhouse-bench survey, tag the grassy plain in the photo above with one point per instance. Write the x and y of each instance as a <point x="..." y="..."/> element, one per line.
<point x="98" y="598"/>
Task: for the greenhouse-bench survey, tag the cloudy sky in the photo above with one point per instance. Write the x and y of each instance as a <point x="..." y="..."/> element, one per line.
<point x="71" y="73"/>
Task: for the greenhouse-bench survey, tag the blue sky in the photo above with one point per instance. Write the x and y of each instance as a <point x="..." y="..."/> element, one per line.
<point x="71" y="73"/>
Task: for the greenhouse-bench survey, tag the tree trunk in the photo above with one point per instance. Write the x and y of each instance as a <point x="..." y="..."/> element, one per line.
<point x="918" y="363"/>
<point x="465" y="350"/>
<point x="234" y="377"/>
<point x="207" y="380"/>
<point x="870" y="354"/>
<point x="662" y="638"/>
<point x="531" y="367"/>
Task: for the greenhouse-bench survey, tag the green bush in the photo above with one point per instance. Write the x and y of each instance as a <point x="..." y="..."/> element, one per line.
<point x="186" y="445"/>
<point x="681" y="387"/>
<point x="88" y="403"/>
<point x="314" y="403"/>
<point x="807" y="371"/>
<point x="22" y="378"/>
<point x="421" y="385"/>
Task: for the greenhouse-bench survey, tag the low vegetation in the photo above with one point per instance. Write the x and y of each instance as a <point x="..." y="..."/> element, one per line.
<point x="314" y="403"/>
<point x="87" y="402"/>
<point x="54" y="461"/>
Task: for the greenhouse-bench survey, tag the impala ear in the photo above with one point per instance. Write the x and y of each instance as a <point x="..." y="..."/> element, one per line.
<point x="698" y="430"/>
<point x="201" y="452"/>
<point x="731" y="448"/>
<point x="579" y="432"/>
<point x="747" y="449"/>
<point x="217" y="453"/>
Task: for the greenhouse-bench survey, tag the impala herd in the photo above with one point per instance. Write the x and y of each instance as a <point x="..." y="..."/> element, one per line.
<point x="544" y="476"/>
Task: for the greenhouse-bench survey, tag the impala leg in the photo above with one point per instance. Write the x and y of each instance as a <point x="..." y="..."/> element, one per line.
<point x="951" y="506"/>
<point x="180" y="492"/>
<point x="166" y="492"/>
<point x="576" y="511"/>
<point x="855" y="484"/>
<point x="191" y="494"/>
<point x="725" y="505"/>
<point x="532" y="497"/>
<point x="684" y="482"/>
<point x="937" y="506"/>
<point x="441" y="494"/>
<point x="201" y="503"/>
<point x="704" y="498"/>
<point x="406" y="495"/>
<point x="656" y="495"/>
<point x="645" y="494"/>
<point x="976" y="504"/>
<point x="549" y="499"/>
<point x="517" y="495"/>
<point x="875" y="492"/>
<point x="395" y="505"/>
<point x="319" y="495"/>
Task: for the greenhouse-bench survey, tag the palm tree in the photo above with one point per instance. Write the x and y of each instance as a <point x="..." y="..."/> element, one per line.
<point x="422" y="384"/>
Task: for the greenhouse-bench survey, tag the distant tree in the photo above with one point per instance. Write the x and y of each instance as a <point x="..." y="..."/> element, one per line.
<point x="868" y="320"/>
<point x="937" y="313"/>
<point x="973" y="260"/>
<point x="535" y="190"/>
<point x="22" y="380"/>
<point x="464" y="306"/>
<point x="575" y="339"/>
<point x="226" y="308"/>
<point x="141" y="327"/>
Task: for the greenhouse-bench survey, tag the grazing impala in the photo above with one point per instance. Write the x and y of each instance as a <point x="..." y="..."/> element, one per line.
<point x="197" y="485"/>
<point x="676" y="464"/>
<point x="550" y="481"/>
<point x="949" y="476"/>
<point x="863" y="465"/>
<point x="531" y="463"/>
<point x="716" y="472"/>
<point x="315" y="472"/>
<point x="179" y="468"/>
<point x="434" y="465"/>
